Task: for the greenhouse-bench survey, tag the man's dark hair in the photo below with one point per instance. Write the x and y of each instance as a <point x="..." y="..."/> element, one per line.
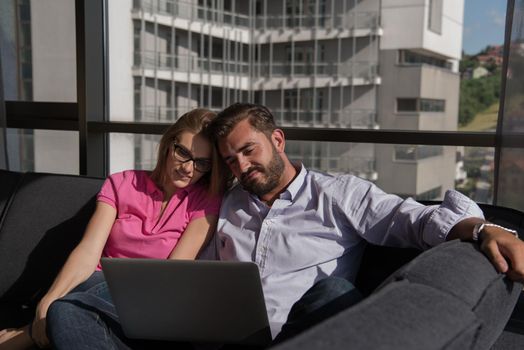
<point x="260" y="118"/>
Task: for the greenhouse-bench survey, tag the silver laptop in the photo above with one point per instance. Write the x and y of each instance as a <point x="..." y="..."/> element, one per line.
<point x="192" y="301"/>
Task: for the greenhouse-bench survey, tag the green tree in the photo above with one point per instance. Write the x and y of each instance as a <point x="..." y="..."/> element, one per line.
<point x="476" y="95"/>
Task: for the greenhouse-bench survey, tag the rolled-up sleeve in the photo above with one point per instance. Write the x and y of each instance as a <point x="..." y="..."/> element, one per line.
<point x="454" y="208"/>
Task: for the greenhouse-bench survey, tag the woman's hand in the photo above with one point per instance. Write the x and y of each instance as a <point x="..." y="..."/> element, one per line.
<point x="38" y="329"/>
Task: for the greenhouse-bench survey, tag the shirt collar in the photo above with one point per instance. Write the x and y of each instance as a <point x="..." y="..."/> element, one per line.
<point x="292" y="189"/>
<point x="153" y="189"/>
<point x="151" y="186"/>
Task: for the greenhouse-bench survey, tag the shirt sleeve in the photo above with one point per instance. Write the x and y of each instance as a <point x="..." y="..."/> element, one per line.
<point x="109" y="191"/>
<point x="389" y="220"/>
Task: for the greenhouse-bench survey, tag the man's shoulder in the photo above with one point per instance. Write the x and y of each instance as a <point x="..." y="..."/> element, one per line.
<point x="326" y="179"/>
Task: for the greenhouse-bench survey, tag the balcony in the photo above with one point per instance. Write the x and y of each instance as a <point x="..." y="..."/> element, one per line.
<point x="191" y="11"/>
<point x="346" y="119"/>
<point x="187" y="63"/>
<point x="350" y="69"/>
<point x="162" y="114"/>
<point x="349" y="21"/>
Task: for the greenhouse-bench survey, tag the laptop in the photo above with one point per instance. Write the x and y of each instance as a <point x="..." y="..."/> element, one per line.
<point x="189" y="300"/>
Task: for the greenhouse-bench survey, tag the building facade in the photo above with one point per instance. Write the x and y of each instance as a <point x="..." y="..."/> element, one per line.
<point x="314" y="63"/>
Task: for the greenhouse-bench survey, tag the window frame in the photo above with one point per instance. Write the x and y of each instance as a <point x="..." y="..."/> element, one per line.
<point x="89" y="115"/>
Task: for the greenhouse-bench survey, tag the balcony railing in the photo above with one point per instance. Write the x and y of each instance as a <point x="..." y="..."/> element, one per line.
<point x="187" y="63"/>
<point x="351" y="20"/>
<point x="162" y="114"/>
<point x="347" y="118"/>
<point x="349" y="69"/>
<point x="191" y="11"/>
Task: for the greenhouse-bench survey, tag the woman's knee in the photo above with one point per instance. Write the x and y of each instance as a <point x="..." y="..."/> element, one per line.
<point x="59" y="313"/>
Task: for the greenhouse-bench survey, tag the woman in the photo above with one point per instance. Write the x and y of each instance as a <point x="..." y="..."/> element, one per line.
<point x="170" y="212"/>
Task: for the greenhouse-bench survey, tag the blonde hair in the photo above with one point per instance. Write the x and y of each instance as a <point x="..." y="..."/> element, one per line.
<point x="195" y="122"/>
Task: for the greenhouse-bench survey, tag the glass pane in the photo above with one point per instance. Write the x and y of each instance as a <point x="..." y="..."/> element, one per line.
<point x="133" y="151"/>
<point x="408" y="76"/>
<point x="480" y="67"/>
<point x="43" y="151"/>
<point x="159" y="68"/>
<point x="511" y="170"/>
<point x="425" y="172"/>
<point x="38" y="50"/>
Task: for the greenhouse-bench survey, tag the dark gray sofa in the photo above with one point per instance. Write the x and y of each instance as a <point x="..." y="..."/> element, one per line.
<point x="449" y="297"/>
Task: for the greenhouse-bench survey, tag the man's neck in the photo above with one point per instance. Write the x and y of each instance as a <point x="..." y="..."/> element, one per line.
<point x="288" y="175"/>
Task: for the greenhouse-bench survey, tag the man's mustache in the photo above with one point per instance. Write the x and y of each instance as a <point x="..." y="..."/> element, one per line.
<point x="246" y="173"/>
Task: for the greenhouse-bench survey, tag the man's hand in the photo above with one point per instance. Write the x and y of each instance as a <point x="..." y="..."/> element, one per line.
<point x="505" y="251"/>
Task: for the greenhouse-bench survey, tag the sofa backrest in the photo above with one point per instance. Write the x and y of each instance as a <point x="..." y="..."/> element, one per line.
<point x="9" y="181"/>
<point x="43" y="221"/>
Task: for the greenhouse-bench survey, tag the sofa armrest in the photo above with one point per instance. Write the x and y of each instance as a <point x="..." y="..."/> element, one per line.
<point x="448" y="297"/>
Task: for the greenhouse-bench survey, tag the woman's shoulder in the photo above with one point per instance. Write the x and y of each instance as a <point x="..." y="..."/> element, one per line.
<point x="135" y="178"/>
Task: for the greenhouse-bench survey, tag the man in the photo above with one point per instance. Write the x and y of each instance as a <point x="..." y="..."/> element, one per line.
<point x="306" y="230"/>
<point x="301" y="226"/>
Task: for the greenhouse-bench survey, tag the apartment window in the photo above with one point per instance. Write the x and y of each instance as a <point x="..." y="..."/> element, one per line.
<point x="431" y="105"/>
<point x="216" y="98"/>
<point x="137" y="96"/>
<point x="435" y="16"/>
<point x="407" y="105"/>
<point x="137" y="30"/>
<point x="420" y="105"/>
<point x="407" y="57"/>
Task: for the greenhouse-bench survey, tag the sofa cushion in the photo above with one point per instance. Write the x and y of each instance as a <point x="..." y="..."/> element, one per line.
<point x="44" y="222"/>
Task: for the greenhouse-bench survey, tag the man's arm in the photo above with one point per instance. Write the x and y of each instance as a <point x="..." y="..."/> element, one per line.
<point x="502" y="247"/>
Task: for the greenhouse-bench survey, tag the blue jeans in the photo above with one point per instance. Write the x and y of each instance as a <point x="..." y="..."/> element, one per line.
<point x="86" y="318"/>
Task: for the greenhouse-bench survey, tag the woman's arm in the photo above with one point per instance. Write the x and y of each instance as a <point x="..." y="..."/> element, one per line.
<point x="197" y="234"/>
<point x="80" y="264"/>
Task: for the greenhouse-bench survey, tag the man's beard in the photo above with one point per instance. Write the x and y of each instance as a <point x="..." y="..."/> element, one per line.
<point x="270" y="173"/>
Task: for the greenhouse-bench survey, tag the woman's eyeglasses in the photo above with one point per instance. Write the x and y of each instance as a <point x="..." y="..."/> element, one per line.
<point x="182" y="154"/>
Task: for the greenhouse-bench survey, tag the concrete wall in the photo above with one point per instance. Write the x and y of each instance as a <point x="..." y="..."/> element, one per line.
<point x="422" y="81"/>
<point x="405" y="24"/>
<point x="415" y="81"/>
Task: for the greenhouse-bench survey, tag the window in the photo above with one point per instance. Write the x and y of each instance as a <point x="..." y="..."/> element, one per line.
<point x="343" y="103"/>
<point x="431" y="105"/>
<point x="435" y="16"/>
<point x="408" y="57"/>
<point x="407" y="105"/>
<point x="420" y="105"/>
